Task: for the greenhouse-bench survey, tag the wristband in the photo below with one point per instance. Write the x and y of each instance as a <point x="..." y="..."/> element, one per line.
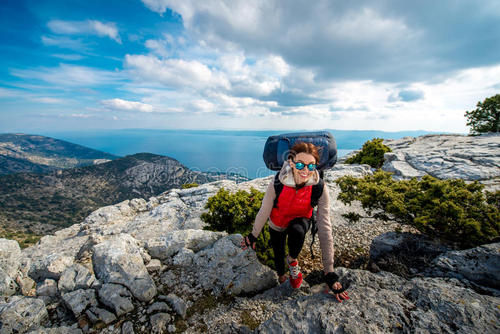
<point x="251" y="238"/>
<point x="330" y="279"/>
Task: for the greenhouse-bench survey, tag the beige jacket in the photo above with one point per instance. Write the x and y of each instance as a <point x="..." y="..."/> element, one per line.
<point x="323" y="216"/>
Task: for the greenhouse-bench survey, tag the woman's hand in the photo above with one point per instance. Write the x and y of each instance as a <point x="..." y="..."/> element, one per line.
<point x="332" y="280"/>
<point x="340" y="296"/>
<point x="248" y="242"/>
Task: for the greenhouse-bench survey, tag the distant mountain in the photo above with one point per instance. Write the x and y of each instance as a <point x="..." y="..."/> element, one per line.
<point x="44" y="203"/>
<point x="22" y="153"/>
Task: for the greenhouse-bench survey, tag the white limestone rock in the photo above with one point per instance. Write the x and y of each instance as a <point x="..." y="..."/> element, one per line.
<point x="386" y="303"/>
<point x="79" y="300"/>
<point x="178" y="304"/>
<point x="159" y="322"/>
<point x="47" y="288"/>
<point x="128" y="328"/>
<point x="57" y="330"/>
<point x="10" y="254"/>
<point x="7" y="285"/>
<point x="22" y="315"/>
<point x="96" y="315"/>
<point x="51" y="266"/>
<point x="227" y="268"/>
<point x="445" y="157"/>
<point x="172" y="242"/>
<point x="118" y="260"/>
<point x="117" y="298"/>
<point x="75" y="277"/>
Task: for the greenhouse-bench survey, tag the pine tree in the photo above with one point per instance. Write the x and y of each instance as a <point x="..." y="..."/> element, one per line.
<point x="486" y="117"/>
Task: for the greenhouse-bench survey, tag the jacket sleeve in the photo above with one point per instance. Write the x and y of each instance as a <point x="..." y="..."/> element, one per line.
<point x="325" y="230"/>
<point x="265" y="210"/>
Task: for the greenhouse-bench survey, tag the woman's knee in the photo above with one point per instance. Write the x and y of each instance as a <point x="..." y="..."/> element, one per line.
<point x="297" y="228"/>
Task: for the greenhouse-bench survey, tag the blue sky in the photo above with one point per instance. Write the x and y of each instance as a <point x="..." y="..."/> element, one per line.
<point x="237" y="64"/>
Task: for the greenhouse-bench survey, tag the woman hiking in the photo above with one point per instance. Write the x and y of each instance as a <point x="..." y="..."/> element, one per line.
<point x="289" y="217"/>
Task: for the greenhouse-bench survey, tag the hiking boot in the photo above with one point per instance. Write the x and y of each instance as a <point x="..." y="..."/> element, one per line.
<point x="295" y="275"/>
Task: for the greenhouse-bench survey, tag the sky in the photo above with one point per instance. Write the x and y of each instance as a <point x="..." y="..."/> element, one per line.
<point x="73" y="65"/>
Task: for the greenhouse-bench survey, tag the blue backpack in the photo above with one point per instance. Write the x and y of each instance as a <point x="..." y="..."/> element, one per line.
<point x="277" y="150"/>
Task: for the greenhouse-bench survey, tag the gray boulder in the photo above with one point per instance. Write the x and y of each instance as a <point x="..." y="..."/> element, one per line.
<point x="47" y="288"/>
<point x="194" y="240"/>
<point x="96" y="315"/>
<point x="480" y="265"/>
<point x="227" y="268"/>
<point x="128" y="328"/>
<point x="75" y="277"/>
<point x="159" y="323"/>
<point x="177" y="304"/>
<point x="51" y="266"/>
<point x="7" y="285"/>
<point x="405" y="243"/>
<point x="79" y="300"/>
<point x="159" y="307"/>
<point x="10" y="254"/>
<point x="26" y="284"/>
<point x="386" y="303"/>
<point x="57" y="330"/>
<point x="21" y="315"/>
<point x="118" y="260"/>
<point x="117" y="298"/>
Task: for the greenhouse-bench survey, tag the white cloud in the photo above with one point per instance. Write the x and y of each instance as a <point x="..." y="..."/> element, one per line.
<point x="379" y="41"/>
<point x="49" y="100"/>
<point x="64" y="43"/>
<point x="68" y="56"/>
<point x="81" y="115"/>
<point x="174" y="73"/>
<point x="85" y="27"/>
<point x="69" y="75"/>
<point x="124" y="105"/>
<point x="9" y="93"/>
<point x="163" y="47"/>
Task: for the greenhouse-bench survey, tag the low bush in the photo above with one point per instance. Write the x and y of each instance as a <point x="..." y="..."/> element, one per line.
<point x="372" y="153"/>
<point x="451" y="210"/>
<point x="235" y="213"/>
<point x="189" y="185"/>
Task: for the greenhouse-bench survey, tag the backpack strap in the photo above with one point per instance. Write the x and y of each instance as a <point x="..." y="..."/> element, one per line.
<point x="317" y="191"/>
<point x="278" y="187"/>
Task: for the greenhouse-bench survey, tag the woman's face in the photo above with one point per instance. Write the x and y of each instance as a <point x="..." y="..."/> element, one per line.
<point x="303" y="175"/>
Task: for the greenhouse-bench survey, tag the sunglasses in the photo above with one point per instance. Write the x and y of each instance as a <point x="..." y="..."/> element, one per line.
<point x="300" y="166"/>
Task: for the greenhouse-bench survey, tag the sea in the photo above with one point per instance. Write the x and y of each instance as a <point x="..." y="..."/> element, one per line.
<point x="218" y="151"/>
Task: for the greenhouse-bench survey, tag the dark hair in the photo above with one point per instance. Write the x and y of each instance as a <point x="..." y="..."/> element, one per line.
<point x="302" y="147"/>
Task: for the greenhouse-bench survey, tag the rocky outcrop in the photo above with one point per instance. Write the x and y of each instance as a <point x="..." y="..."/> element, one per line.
<point x="446" y="157"/>
<point x="126" y="255"/>
<point x="480" y="265"/>
<point x="148" y="266"/>
<point x="22" y="314"/>
<point x="386" y="303"/>
<point x="119" y="261"/>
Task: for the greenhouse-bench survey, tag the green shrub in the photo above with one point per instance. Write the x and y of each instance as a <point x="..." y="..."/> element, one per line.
<point x="448" y="209"/>
<point x="372" y="153"/>
<point x="235" y="213"/>
<point x="189" y="185"/>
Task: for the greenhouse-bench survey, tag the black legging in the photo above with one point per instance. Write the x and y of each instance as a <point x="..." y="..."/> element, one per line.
<point x="296" y="232"/>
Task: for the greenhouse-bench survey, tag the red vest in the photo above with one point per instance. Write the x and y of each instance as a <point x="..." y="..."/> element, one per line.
<point x="292" y="204"/>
